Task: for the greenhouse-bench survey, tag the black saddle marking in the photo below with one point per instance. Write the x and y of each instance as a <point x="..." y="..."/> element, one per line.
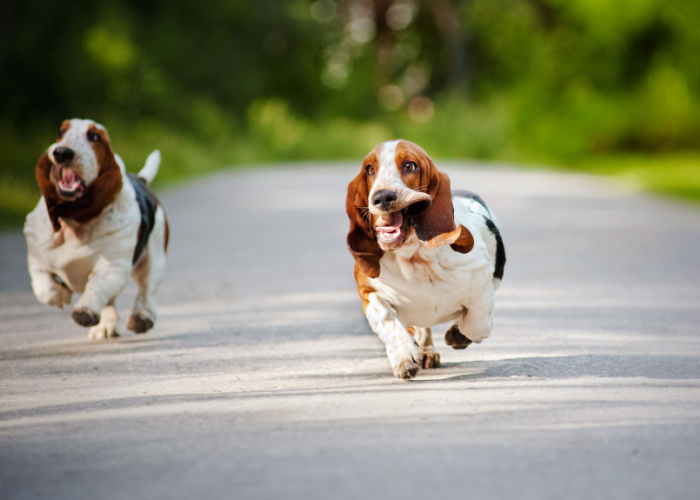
<point x="500" y="249"/>
<point x="148" y="203"/>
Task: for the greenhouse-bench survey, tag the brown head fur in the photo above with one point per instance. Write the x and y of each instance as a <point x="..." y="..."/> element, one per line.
<point x="433" y="221"/>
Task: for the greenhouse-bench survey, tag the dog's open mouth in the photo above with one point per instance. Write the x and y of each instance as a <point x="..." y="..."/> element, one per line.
<point x="392" y="227"/>
<point x="69" y="184"/>
<point x="389" y="227"/>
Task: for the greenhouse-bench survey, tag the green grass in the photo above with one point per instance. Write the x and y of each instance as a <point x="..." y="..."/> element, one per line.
<point x="273" y="134"/>
<point x="183" y="157"/>
<point x="674" y="175"/>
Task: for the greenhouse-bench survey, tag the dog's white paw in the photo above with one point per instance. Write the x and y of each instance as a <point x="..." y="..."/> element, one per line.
<point x="478" y="332"/>
<point x="406" y="361"/>
<point x="476" y="327"/>
<point x="107" y="327"/>
<point x="101" y="332"/>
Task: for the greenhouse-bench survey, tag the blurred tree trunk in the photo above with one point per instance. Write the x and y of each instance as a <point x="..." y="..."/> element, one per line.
<point x="385" y="43"/>
<point x="446" y="16"/>
<point x="4" y="21"/>
<point x="547" y="14"/>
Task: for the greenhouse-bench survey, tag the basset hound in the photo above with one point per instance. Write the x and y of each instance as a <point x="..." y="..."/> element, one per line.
<point x="93" y="227"/>
<point x="424" y="255"/>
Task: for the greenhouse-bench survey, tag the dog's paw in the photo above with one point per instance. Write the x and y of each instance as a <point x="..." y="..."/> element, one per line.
<point x="454" y="338"/>
<point x="86" y="317"/>
<point x="431" y="358"/>
<point x="406" y="362"/>
<point x="101" y="332"/>
<point x="139" y="323"/>
<point x="406" y="369"/>
<point x="55" y="295"/>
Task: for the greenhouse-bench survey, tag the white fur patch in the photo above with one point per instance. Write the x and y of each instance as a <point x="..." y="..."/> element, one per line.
<point x="75" y="138"/>
<point x="387" y="174"/>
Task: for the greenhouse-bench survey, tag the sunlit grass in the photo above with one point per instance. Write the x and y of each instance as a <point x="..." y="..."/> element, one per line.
<point x="675" y="175"/>
<point x="17" y="199"/>
<point x="273" y="134"/>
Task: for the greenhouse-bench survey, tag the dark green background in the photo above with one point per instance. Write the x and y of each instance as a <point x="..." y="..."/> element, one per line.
<point x="608" y="86"/>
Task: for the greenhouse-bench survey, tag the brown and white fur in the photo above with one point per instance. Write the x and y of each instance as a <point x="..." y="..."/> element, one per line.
<point x="93" y="227"/>
<point x="424" y="255"/>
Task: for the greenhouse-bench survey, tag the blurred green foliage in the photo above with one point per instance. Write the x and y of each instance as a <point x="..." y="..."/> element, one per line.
<point x="594" y="84"/>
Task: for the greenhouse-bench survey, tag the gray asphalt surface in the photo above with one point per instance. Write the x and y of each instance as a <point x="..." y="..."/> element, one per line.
<point x="262" y="379"/>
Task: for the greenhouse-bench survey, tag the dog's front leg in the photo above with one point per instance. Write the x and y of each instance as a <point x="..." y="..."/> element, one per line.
<point x="105" y="282"/>
<point x="48" y="289"/>
<point x="401" y="348"/>
<point x="477" y="320"/>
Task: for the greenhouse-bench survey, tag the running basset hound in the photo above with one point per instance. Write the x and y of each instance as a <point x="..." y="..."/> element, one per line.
<point x="93" y="227"/>
<point x="424" y="255"/>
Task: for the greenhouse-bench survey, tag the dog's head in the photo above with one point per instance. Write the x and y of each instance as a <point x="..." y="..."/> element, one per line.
<point x="398" y="192"/>
<point x="78" y="175"/>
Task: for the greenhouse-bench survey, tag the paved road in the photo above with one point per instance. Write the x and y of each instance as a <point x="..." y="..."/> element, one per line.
<point x="262" y="379"/>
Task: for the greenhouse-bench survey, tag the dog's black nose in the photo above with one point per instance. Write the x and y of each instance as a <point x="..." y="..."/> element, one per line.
<point x="384" y="198"/>
<point x="63" y="155"/>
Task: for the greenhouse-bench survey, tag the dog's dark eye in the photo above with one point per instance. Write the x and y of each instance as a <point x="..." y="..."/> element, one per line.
<point x="409" y="167"/>
<point x="93" y="137"/>
<point x="59" y="134"/>
<point x="369" y="169"/>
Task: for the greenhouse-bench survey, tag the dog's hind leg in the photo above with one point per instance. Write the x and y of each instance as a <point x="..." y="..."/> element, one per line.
<point x="431" y="358"/>
<point x="148" y="274"/>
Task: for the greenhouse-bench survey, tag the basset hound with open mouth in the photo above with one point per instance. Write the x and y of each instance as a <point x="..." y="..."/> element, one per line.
<point x="424" y="255"/>
<point x="93" y="227"/>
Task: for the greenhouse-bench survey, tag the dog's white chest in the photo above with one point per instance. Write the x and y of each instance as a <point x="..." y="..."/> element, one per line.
<point x="76" y="250"/>
<point x="430" y="286"/>
<point x="65" y="253"/>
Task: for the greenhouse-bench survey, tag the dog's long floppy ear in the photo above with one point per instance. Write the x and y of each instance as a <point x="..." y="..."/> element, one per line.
<point x="361" y="239"/>
<point x="436" y="226"/>
<point x="102" y="191"/>
<point x="460" y="239"/>
<point x="105" y="187"/>
<point x="48" y="190"/>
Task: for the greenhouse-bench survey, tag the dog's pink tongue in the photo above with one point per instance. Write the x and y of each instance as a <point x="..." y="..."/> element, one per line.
<point x="67" y="177"/>
<point x="393" y="225"/>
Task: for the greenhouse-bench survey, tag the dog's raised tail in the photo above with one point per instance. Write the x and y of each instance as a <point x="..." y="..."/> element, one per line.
<point x="150" y="169"/>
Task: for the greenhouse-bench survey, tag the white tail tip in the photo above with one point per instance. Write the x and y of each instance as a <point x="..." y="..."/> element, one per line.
<point x="120" y="162"/>
<point x="150" y="169"/>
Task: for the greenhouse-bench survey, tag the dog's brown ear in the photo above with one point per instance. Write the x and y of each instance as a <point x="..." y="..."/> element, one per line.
<point x="436" y="226"/>
<point x="101" y="192"/>
<point x="438" y="218"/>
<point x="361" y="240"/>
<point x="48" y="190"/>
<point x="460" y="239"/>
<point x="105" y="187"/>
